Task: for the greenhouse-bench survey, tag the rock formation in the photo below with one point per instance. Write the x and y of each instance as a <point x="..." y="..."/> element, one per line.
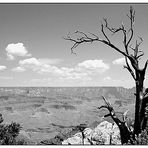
<point x="105" y="133"/>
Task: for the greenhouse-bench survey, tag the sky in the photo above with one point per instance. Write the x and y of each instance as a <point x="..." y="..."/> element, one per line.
<point x="33" y="51"/>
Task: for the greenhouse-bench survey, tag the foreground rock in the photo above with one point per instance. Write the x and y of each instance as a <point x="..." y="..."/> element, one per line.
<point x="104" y="133"/>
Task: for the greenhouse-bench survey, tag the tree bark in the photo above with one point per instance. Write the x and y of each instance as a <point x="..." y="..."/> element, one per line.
<point x="140" y="104"/>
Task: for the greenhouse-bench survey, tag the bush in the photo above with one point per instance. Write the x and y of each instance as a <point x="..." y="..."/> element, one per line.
<point x="9" y="132"/>
<point x="141" y="139"/>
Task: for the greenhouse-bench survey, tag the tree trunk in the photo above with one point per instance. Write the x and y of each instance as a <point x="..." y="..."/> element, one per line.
<point x="139" y="104"/>
<point x="124" y="133"/>
<point x="137" y="128"/>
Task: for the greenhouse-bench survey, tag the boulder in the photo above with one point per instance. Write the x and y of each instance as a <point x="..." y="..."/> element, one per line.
<point x="104" y="133"/>
<point x="77" y="138"/>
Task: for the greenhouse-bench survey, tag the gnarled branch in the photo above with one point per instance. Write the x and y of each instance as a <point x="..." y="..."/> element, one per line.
<point x="84" y="38"/>
<point x="129" y="69"/>
<point x="131" y="16"/>
<point x="124" y="130"/>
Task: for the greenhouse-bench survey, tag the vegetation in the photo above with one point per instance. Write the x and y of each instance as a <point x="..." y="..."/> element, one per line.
<point x="8" y="133"/>
<point x="141" y="139"/>
<point x="132" y="57"/>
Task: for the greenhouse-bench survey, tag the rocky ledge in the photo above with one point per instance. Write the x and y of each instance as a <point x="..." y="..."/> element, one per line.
<point x="105" y="133"/>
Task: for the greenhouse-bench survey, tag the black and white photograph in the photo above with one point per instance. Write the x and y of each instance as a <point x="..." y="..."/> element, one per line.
<point x="73" y="74"/>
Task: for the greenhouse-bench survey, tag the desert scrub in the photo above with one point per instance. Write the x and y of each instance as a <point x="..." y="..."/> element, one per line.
<point x="9" y="132"/>
<point x="141" y="139"/>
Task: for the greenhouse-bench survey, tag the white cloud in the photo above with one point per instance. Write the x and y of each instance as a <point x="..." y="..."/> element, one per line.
<point x="2" y="68"/>
<point x="120" y="61"/>
<point x="97" y="65"/>
<point x="82" y="71"/>
<point x="36" y="65"/>
<point x="10" y="57"/>
<point x="18" y="69"/>
<point x="14" y="50"/>
<point x="42" y="61"/>
<point x="30" y="61"/>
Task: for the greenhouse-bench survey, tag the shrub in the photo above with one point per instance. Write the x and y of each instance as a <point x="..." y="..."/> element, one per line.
<point x="141" y="139"/>
<point x="9" y="132"/>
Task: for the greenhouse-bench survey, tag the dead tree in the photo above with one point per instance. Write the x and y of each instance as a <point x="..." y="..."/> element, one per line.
<point x="125" y="132"/>
<point x="132" y="56"/>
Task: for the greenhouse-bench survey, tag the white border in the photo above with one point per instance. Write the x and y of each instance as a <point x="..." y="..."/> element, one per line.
<point x="73" y="1"/>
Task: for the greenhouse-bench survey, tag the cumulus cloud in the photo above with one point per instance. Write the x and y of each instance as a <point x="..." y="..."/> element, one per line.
<point x="14" y="50"/>
<point x="120" y="61"/>
<point x="97" y="65"/>
<point x="2" y="68"/>
<point x="81" y="71"/>
<point x="42" y="61"/>
<point x="18" y="69"/>
<point x="37" y="65"/>
<point x="30" y="61"/>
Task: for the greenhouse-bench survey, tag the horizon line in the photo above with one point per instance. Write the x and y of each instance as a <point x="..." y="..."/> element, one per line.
<point x="64" y="86"/>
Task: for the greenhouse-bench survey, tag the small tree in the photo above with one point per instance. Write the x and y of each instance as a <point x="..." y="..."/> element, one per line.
<point x="132" y="65"/>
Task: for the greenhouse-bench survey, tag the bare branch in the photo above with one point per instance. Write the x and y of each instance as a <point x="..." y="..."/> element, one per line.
<point x="104" y="33"/>
<point x="124" y="40"/>
<point x="136" y="49"/>
<point x="130" y="46"/>
<point x="140" y="55"/>
<point x="134" y="62"/>
<point x="107" y="115"/>
<point x="125" y="115"/>
<point x="111" y="29"/>
<point x="90" y="141"/>
<point x="84" y="38"/>
<point x="145" y="66"/>
<point x="103" y="106"/>
<point x="114" y="30"/>
<point x="108" y="104"/>
<point x="131" y="16"/>
<point x="85" y="35"/>
<point x="129" y="69"/>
